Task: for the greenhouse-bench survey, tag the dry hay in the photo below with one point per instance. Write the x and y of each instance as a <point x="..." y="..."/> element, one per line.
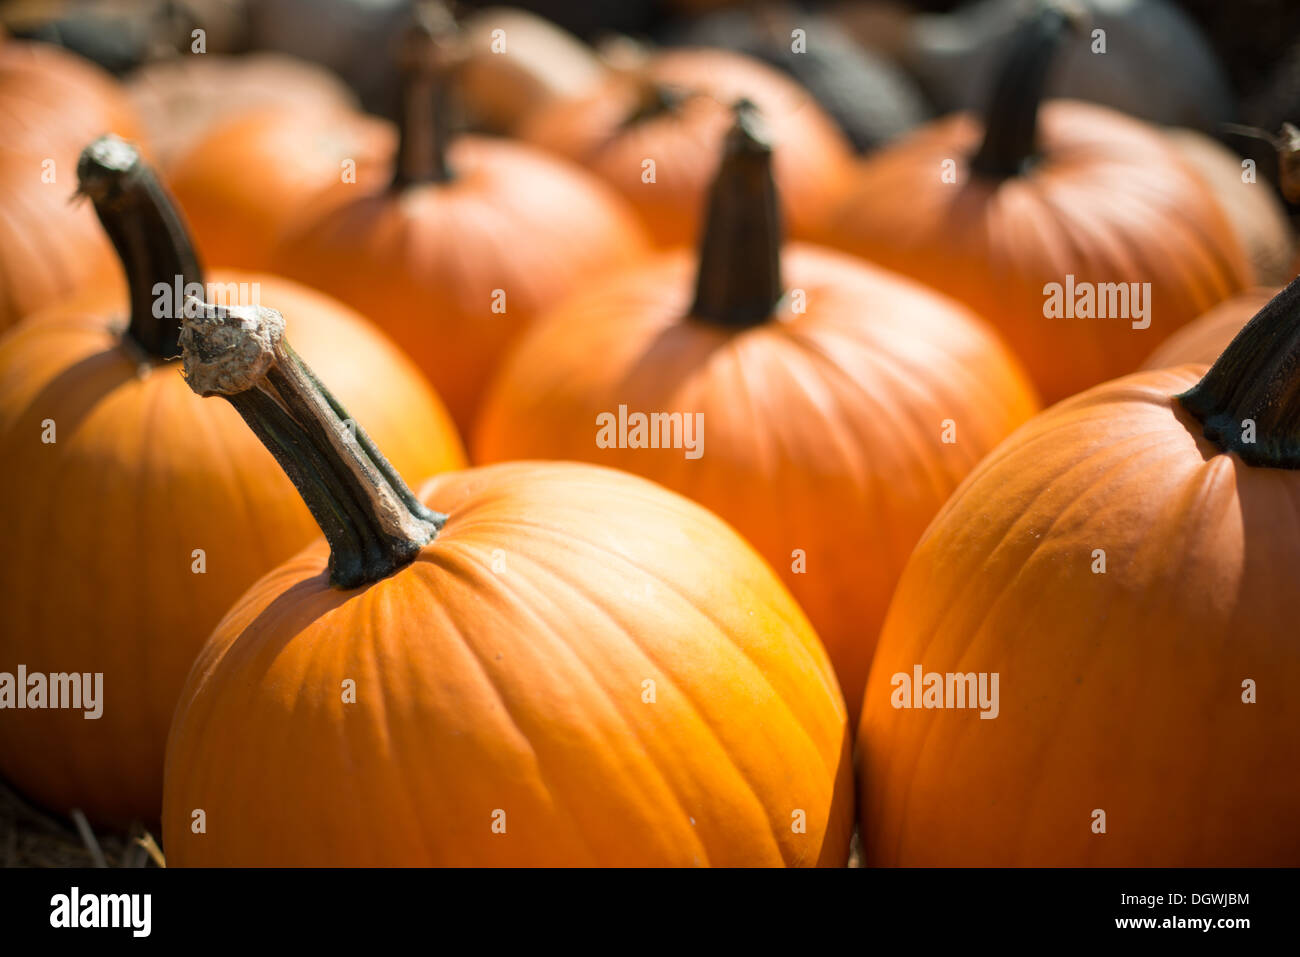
<point x="30" y="837"/>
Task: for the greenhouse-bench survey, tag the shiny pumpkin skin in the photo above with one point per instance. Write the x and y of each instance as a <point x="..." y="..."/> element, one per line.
<point x="812" y="156"/>
<point x="503" y="670"/>
<point x="1119" y="691"/>
<point x="1109" y="201"/>
<point x="244" y="182"/>
<point x="823" y="431"/>
<point x="97" y="575"/>
<point x="425" y="262"/>
<point x="1202" y="340"/>
<point x="51" y="104"/>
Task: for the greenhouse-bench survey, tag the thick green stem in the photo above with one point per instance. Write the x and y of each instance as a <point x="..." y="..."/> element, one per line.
<point x="373" y="522"/>
<point x="428" y="63"/>
<point x="149" y="236"/>
<point x="739" y="280"/>
<point x="1249" y="401"/>
<point x="1011" y="120"/>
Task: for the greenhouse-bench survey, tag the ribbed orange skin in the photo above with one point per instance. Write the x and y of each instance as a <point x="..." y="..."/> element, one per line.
<point x="1119" y="691"/>
<point x="520" y="690"/>
<point x="100" y="527"/>
<point x="812" y="158"/>
<point x="1202" y="340"/>
<point x="1109" y="201"/>
<point x="52" y="103"/>
<point x="426" y="262"/>
<point x="823" y="431"/>
<point x="246" y="181"/>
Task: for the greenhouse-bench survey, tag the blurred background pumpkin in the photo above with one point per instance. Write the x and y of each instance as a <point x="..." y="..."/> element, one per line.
<point x="872" y="98"/>
<point x="245" y="181"/>
<point x="1158" y="66"/>
<point x="183" y="97"/>
<point x="994" y="211"/>
<point x="653" y="131"/>
<point x="470" y="238"/>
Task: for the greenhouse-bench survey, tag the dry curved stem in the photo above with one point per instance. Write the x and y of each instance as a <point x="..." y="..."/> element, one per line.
<point x="149" y="235"/>
<point x="373" y="522"/>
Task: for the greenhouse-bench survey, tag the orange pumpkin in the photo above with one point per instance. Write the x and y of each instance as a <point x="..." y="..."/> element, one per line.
<point x="245" y="181"/>
<point x="182" y="99"/>
<point x="541" y="62"/>
<point x="674" y="111"/>
<point x="1035" y="217"/>
<point x="1203" y="340"/>
<point x="136" y="513"/>
<point x="51" y="104"/>
<point x="468" y="243"/>
<point x="52" y="101"/>
<point x="1128" y="564"/>
<point x="824" y="407"/>
<point x="564" y="665"/>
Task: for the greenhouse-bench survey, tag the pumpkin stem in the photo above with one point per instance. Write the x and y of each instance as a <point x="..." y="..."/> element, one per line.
<point x="373" y="522"/>
<point x="739" y="280"/>
<point x="1249" y="401"/>
<point x="149" y="235"/>
<point x="428" y="62"/>
<point x="1011" y="120"/>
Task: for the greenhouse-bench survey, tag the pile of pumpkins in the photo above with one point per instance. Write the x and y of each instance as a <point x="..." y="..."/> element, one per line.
<point x="592" y="494"/>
